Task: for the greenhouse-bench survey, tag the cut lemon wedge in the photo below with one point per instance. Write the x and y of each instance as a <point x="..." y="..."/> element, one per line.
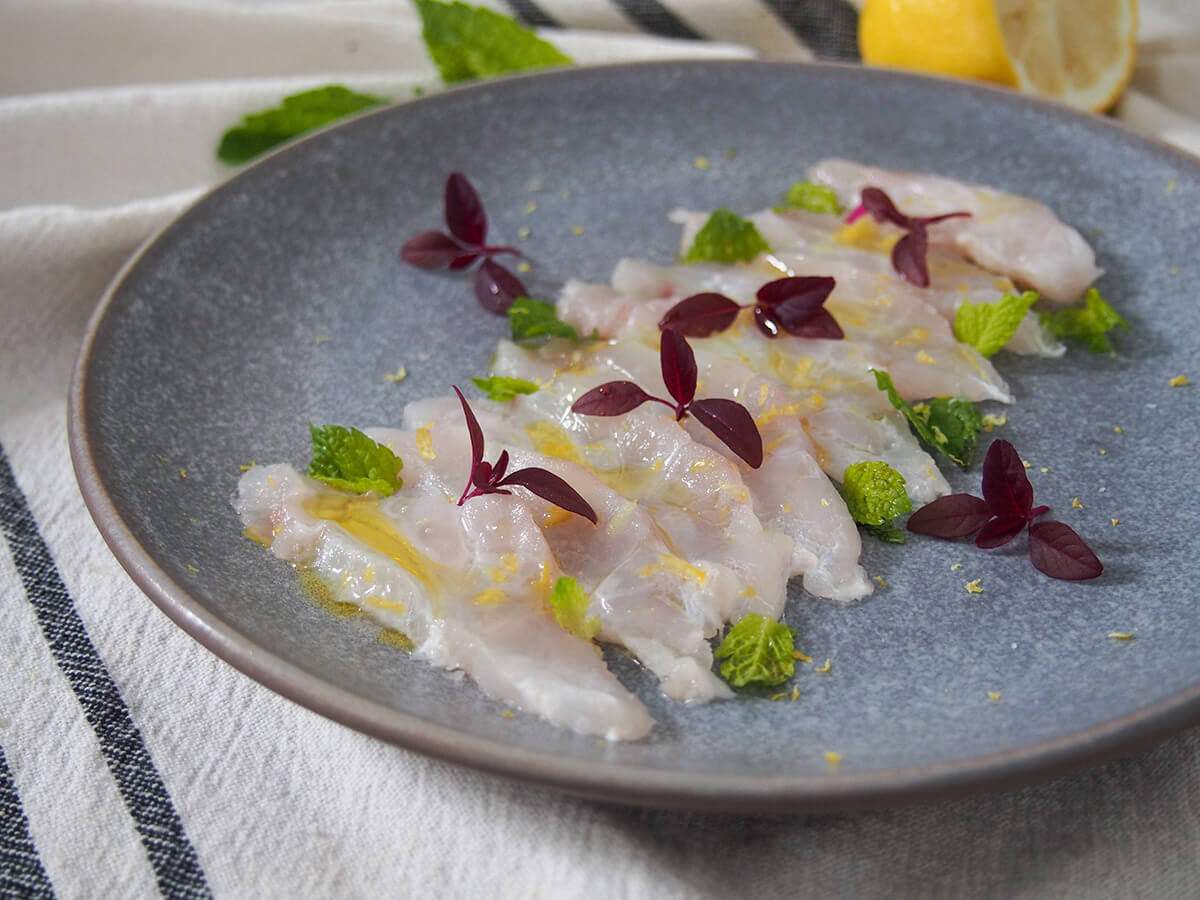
<point x="1078" y="52"/>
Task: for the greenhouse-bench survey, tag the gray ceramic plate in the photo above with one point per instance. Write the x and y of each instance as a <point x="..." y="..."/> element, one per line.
<point x="279" y="298"/>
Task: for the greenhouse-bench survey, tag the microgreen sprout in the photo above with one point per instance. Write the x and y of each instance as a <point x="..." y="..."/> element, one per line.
<point x="792" y="305"/>
<point x="727" y="419"/>
<point x="908" y="256"/>
<point x="1005" y="510"/>
<point x="466" y="244"/>
<point x="490" y="478"/>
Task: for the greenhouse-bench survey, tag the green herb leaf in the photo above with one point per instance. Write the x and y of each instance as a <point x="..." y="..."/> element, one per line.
<point x="259" y="132"/>
<point x="887" y="533"/>
<point x="473" y="42"/>
<point x="818" y="198"/>
<point x="346" y="458"/>
<point x="757" y="652"/>
<point x="948" y="425"/>
<point x="533" y="320"/>
<point x="726" y="238"/>
<point x="503" y="389"/>
<point x="988" y="326"/>
<point x="874" y="492"/>
<point x="1088" y="325"/>
<point x="570" y="605"/>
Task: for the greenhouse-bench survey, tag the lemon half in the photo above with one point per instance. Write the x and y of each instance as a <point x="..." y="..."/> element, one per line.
<point x="1078" y="52"/>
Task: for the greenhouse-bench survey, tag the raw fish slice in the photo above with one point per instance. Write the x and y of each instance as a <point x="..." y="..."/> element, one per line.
<point x="694" y="493"/>
<point x="834" y="395"/>
<point x="1012" y="235"/>
<point x="791" y="492"/>
<point x="379" y="555"/>
<point x="807" y="242"/>
<point x="643" y="592"/>
<point x="888" y="324"/>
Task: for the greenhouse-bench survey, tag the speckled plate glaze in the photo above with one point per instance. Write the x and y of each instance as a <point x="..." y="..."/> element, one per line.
<point x="279" y="298"/>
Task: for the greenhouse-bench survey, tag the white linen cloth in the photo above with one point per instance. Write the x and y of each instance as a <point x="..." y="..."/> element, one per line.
<point x="109" y="115"/>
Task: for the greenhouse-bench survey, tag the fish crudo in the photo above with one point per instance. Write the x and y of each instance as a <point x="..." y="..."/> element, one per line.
<point x="658" y="457"/>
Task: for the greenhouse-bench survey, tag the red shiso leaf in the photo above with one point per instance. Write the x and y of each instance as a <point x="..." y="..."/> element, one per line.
<point x="908" y="256"/>
<point x="1006" y="487"/>
<point x="678" y="366"/>
<point x="800" y="293"/>
<point x="481" y="475"/>
<point x="464" y="210"/>
<point x="501" y="467"/>
<point x="700" y="315"/>
<point x="1056" y="550"/>
<point x="613" y="398"/>
<point x="820" y="324"/>
<point x="999" y="531"/>
<point x="764" y="318"/>
<point x="431" y="250"/>
<point x="933" y="220"/>
<point x="881" y="207"/>
<point x="733" y="424"/>
<point x="462" y="262"/>
<point x="953" y="516"/>
<point x="496" y="288"/>
<point x="473" y="430"/>
<point x="550" y="487"/>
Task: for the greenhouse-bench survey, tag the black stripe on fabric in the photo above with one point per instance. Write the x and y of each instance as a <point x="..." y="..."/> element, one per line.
<point x="21" y="872"/>
<point x="828" y="27"/>
<point x="532" y="14"/>
<point x="651" y="16"/>
<point x="171" y="854"/>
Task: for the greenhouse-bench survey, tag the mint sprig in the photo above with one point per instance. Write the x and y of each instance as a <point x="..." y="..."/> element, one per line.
<point x="810" y="196"/>
<point x="1088" y="324"/>
<point x="757" y="652"/>
<point x="502" y="389"/>
<point x="570" y="606"/>
<point x="535" y="320"/>
<point x="346" y="458"/>
<point x="988" y="326"/>
<point x="948" y="425"/>
<point x="468" y="42"/>
<point x="875" y="495"/>
<point x="726" y="238"/>
<point x="259" y="132"/>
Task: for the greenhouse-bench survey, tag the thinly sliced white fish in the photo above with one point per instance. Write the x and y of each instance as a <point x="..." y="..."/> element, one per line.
<point x="1008" y="234"/>
<point x="643" y="592"/>
<point x="830" y="389"/>
<point x="812" y="244"/>
<point x="420" y="564"/>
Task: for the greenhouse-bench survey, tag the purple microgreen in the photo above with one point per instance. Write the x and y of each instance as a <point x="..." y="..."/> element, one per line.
<point x="700" y="315"/>
<point x="909" y="254"/>
<point x="465" y="216"/>
<point x="487" y="478"/>
<point x="1006" y="487"/>
<point x="496" y="287"/>
<point x="727" y="419"/>
<point x="431" y="250"/>
<point x="613" y="398"/>
<point x="551" y="488"/>
<point x="792" y="305"/>
<point x="733" y="425"/>
<point x="678" y="369"/>
<point x="1056" y="550"/>
<point x="953" y="516"/>
<point x="1007" y="508"/>
<point x="999" y="530"/>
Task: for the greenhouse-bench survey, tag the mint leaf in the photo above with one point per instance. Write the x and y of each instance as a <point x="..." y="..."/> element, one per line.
<point x="297" y="114"/>
<point x="874" y="492"/>
<point x="502" y="389"/>
<point x="726" y="238"/>
<point x="533" y="320"/>
<point x="818" y="198"/>
<point x="949" y="426"/>
<point x="887" y="533"/>
<point x="346" y="458"/>
<point x="570" y="605"/>
<point x="757" y="652"/>
<point x="472" y="42"/>
<point x="988" y="326"/>
<point x="1088" y="325"/>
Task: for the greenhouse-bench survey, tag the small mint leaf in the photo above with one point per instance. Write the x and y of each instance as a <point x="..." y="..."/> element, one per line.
<point x="297" y="114"/>
<point x="726" y="238"/>
<point x="988" y="326"/>
<point x="757" y="652"/>
<point x="535" y="320"/>
<point x="874" y="492"/>
<point x="346" y="458"/>
<point x="808" y="195"/>
<point x="1088" y="325"/>
<point x="502" y="389"/>
<point x="570" y="605"/>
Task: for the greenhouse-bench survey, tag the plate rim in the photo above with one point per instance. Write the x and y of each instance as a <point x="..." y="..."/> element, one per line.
<point x="612" y="782"/>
